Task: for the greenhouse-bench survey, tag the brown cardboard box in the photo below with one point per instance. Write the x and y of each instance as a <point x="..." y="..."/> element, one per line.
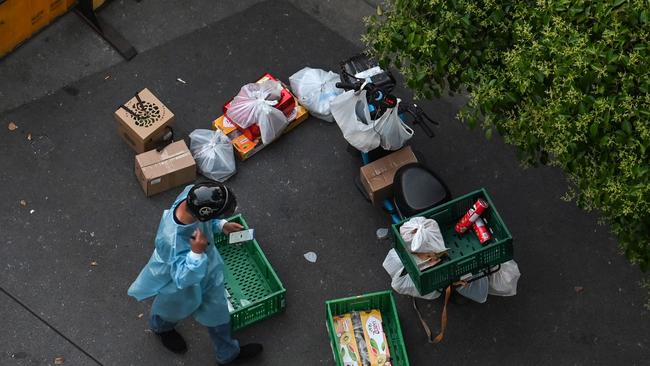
<point x="377" y="177"/>
<point x="143" y="132"/>
<point x="160" y="171"/>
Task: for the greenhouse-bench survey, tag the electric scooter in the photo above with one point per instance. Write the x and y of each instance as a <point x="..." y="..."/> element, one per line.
<point x="416" y="188"/>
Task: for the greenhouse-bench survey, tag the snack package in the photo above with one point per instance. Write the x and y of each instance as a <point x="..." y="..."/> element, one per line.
<point x="360" y="338"/>
<point x="378" y="352"/>
<point x="348" y="349"/>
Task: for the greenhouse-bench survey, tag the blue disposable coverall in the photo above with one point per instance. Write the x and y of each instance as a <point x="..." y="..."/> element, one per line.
<point x="184" y="284"/>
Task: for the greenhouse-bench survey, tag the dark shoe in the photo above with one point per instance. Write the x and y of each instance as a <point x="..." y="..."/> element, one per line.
<point x="247" y="352"/>
<point x="173" y="341"/>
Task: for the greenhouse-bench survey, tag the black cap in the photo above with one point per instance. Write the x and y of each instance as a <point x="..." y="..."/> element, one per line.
<point x="211" y="200"/>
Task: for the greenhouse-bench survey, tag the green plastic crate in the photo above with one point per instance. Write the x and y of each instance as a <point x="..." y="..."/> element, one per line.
<point x="385" y="303"/>
<point x="250" y="277"/>
<point x="466" y="254"/>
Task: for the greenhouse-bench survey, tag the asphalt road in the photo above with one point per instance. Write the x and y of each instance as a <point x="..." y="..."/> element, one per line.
<point x="77" y="177"/>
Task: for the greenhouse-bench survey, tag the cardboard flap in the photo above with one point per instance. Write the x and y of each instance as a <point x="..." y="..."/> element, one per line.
<point x="154" y="115"/>
<point x="381" y="172"/>
<point x="173" y="157"/>
<point x="377" y="177"/>
<point x="168" y="166"/>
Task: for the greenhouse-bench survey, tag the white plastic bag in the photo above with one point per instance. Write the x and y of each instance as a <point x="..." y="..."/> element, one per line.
<point x="213" y="154"/>
<point x="255" y="104"/>
<point x="504" y="281"/>
<point x="477" y="290"/>
<point x="315" y="89"/>
<point x="403" y="284"/>
<point x="393" y="133"/>
<point x="350" y="111"/>
<point x="422" y="235"/>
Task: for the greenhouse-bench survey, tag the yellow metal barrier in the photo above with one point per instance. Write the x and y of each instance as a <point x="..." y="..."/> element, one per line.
<point x="21" y="19"/>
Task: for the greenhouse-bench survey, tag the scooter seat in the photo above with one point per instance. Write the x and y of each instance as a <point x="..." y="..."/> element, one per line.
<point x="418" y="189"/>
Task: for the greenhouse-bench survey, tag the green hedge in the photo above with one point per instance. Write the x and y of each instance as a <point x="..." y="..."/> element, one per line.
<point x="565" y="81"/>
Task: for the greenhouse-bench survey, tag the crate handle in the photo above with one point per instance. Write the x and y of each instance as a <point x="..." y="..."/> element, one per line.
<point x="254" y="307"/>
<point x="484" y="273"/>
<point x="362" y="303"/>
<point x="463" y="261"/>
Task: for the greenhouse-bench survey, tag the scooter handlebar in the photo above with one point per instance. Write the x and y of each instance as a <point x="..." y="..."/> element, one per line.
<point x="348" y="86"/>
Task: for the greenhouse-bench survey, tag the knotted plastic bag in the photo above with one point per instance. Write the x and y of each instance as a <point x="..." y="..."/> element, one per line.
<point x="255" y="105"/>
<point x="476" y="290"/>
<point x="393" y="133"/>
<point x="350" y="111"/>
<point x="422" y="235"/>
<point x="213" y="154"/>
<point x="315" y="89"/>
<point x="402" y="283"/>
<point x="504" y="281"/>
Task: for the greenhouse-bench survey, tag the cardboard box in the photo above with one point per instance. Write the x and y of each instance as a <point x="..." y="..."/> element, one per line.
<point x="244" y="147"/>
<point x="377" y="177"/>
<point x="171" y="167"/>
<point x="223" y="123"/>
<point x="145" y="124"/>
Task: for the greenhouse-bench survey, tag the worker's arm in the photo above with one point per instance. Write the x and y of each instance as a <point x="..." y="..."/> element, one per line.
<point x="226" y="227"/>
<point x="190" y="266"/>
<point x="217" y="225"/>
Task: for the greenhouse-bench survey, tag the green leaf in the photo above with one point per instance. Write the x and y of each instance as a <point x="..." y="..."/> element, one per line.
<point x="380" y="12"/>
<point x="511" y="97"/>
<point x="420" y="76"/>
<point x="627" y="127"/>
<point x="488" y="134"/>
<point x="618" y="3"/>
<point x="351" y="351"/>
<point x="373" y="344"/>
<point x="472" y="121"/>
<point x="543" y="81"/>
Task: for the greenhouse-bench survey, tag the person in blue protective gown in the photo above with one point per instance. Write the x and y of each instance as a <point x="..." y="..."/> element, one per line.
<point x="185" y="272"/>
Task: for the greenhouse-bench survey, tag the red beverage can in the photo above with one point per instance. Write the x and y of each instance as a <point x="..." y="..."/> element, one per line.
<point x="471" y="215"/>
<point x="481" y="230"/>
